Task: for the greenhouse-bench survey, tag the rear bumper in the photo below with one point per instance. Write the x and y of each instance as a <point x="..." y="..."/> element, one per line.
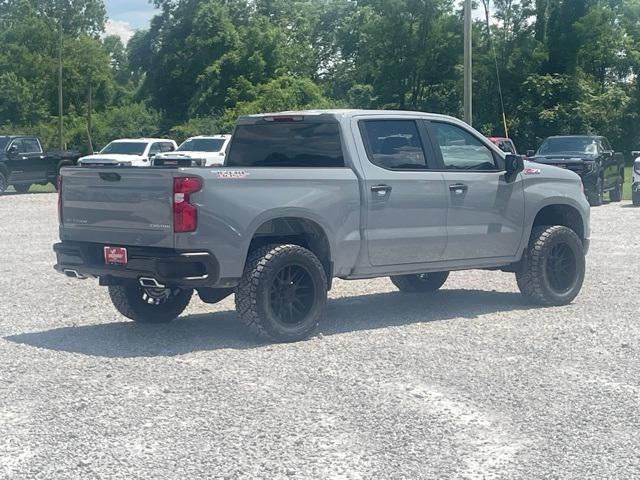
<point x="167" y="266"/>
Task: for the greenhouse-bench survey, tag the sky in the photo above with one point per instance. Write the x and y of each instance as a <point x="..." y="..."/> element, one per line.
<point x="126" y="16"/>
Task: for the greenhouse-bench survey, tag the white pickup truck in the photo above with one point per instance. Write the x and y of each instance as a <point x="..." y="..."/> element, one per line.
<point x="200" y="151"/>
<point x="129" y="152"/>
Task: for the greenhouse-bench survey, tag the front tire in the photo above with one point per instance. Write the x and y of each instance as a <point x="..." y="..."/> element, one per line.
<point x="3" y="183"/>
<point x="553" y="267"/>
<point x="149" y="305"/>
<point x="615" y="195"/>
<point x="635" y="198"/>
<point x="595" y="196"/>
<point x="420" y="283"/>
<point x="282" y="293"/>
<point x="22" y="188"/>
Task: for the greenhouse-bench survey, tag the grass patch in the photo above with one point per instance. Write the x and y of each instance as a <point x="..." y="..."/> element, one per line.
<point x="48" y="188"/>
<point x="628" y="179"/>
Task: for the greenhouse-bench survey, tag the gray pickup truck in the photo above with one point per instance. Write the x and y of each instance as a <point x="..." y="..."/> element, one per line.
<point x="305" y="197"/>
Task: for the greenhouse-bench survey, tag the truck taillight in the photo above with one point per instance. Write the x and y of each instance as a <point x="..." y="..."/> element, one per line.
<point x="59" y="187"/>
<point x="185" y="215"/>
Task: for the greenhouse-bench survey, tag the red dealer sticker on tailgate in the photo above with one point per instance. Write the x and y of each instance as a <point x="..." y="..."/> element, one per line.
<point x="115" y="256"/>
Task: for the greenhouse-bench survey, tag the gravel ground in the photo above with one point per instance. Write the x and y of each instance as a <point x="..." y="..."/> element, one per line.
<point x="467" y="383"/>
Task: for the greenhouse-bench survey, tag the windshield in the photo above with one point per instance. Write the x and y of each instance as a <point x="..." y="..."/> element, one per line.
<point x="125" y="148"/>
<point x="567" y="145"/>
<point x="3" y="142"/>
<point x="202" y="145"/>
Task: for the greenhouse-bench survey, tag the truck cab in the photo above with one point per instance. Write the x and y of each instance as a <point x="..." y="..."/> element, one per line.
<point x="305" y="197"/>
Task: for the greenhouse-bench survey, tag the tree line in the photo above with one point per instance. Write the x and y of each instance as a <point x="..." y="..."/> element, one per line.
<point x="566" y="66"/>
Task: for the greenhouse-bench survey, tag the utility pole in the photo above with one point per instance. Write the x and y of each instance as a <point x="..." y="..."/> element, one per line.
<point x="468" y="64"/>
<point x="60" y="107"/>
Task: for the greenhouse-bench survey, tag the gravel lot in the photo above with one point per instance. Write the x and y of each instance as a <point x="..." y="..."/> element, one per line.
<point x="467" y="383"/>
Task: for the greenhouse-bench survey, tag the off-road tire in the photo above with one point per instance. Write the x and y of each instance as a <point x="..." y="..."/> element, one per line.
<point x="596" y="194"/>
<point x="615" y="195"/>
<point x="3" y="183"/>
<point x="128" y="300"/>
<point x="253" y="294"/>
<point x="533" y="276"/>
<point x="22" y="188"/>
<point x="420" y="283"/>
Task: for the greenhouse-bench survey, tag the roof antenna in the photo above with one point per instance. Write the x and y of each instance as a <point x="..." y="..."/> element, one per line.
<point x="495" y="59"/>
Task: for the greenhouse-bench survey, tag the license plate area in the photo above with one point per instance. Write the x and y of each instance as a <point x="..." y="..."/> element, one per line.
<point x="115" y="255"/>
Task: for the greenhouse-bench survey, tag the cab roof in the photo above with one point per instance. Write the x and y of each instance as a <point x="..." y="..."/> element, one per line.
<point x="336" y="114"/>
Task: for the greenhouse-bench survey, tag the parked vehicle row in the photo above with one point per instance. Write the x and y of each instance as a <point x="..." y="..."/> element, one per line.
<point x="23" y="162"/>
<point x="309" y="196"/>
<point x="200" y="151"/>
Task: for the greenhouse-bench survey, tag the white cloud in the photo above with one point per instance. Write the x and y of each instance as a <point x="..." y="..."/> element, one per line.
<point x="119" y="28"/>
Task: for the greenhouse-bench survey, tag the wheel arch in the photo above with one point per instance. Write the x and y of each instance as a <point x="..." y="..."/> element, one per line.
<point x="296" y="230"/>
<point x="561" y="214"/>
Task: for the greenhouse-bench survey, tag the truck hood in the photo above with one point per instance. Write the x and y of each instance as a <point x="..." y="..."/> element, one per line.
<point x="109" y="158"/>
<point x="211" y="158"/>
<point x="568" y="157"/>
<point x="186" y="154"/>
<point x="538" y="169"/>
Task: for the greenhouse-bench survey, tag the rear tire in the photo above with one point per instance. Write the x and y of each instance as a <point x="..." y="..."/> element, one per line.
<point x="420" y="283"/>
<point x="3" y="184"/>
<point x="596" y="195"/>
<point x="635" y="197"/>
<point x="149" y="305"/>
<point x="553" y="266"/>
<point x="23" y="188"/>
<point x="615" y="195"/>
<point x="282" y="293"/>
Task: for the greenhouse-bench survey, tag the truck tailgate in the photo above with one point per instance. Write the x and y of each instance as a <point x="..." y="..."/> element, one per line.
<point x="119" y="206"/>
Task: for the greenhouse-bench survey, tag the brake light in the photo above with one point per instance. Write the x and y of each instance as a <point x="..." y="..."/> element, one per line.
<point x="284" y="118"/>
<point x="59" y="188"/>
<point x="185" y="215"/>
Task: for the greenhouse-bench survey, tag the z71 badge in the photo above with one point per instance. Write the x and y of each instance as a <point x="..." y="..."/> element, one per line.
<point x="231" y="173"/>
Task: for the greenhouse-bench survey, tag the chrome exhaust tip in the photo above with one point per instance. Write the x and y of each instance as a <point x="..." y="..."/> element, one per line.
<point x="148" y="282"/>
<point x="73" y="274"/>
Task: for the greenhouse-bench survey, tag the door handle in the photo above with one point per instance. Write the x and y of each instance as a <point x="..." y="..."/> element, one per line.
<point x="458" y="188"/>
<point x="381" y="190"/>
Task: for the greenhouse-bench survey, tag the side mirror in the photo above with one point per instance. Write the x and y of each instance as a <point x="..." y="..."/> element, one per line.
<point x="514" y="164"/>
<point x="13" y="149"/>
<point x="531" y="153"/>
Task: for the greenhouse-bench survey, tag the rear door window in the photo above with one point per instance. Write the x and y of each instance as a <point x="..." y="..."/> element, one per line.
<point x="284" y="144"/>
<point x="393" y="144"/>
<point x="31" y="145"/>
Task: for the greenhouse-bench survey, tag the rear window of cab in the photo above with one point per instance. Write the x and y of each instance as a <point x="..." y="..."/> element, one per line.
<point x="281" y="144"/>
